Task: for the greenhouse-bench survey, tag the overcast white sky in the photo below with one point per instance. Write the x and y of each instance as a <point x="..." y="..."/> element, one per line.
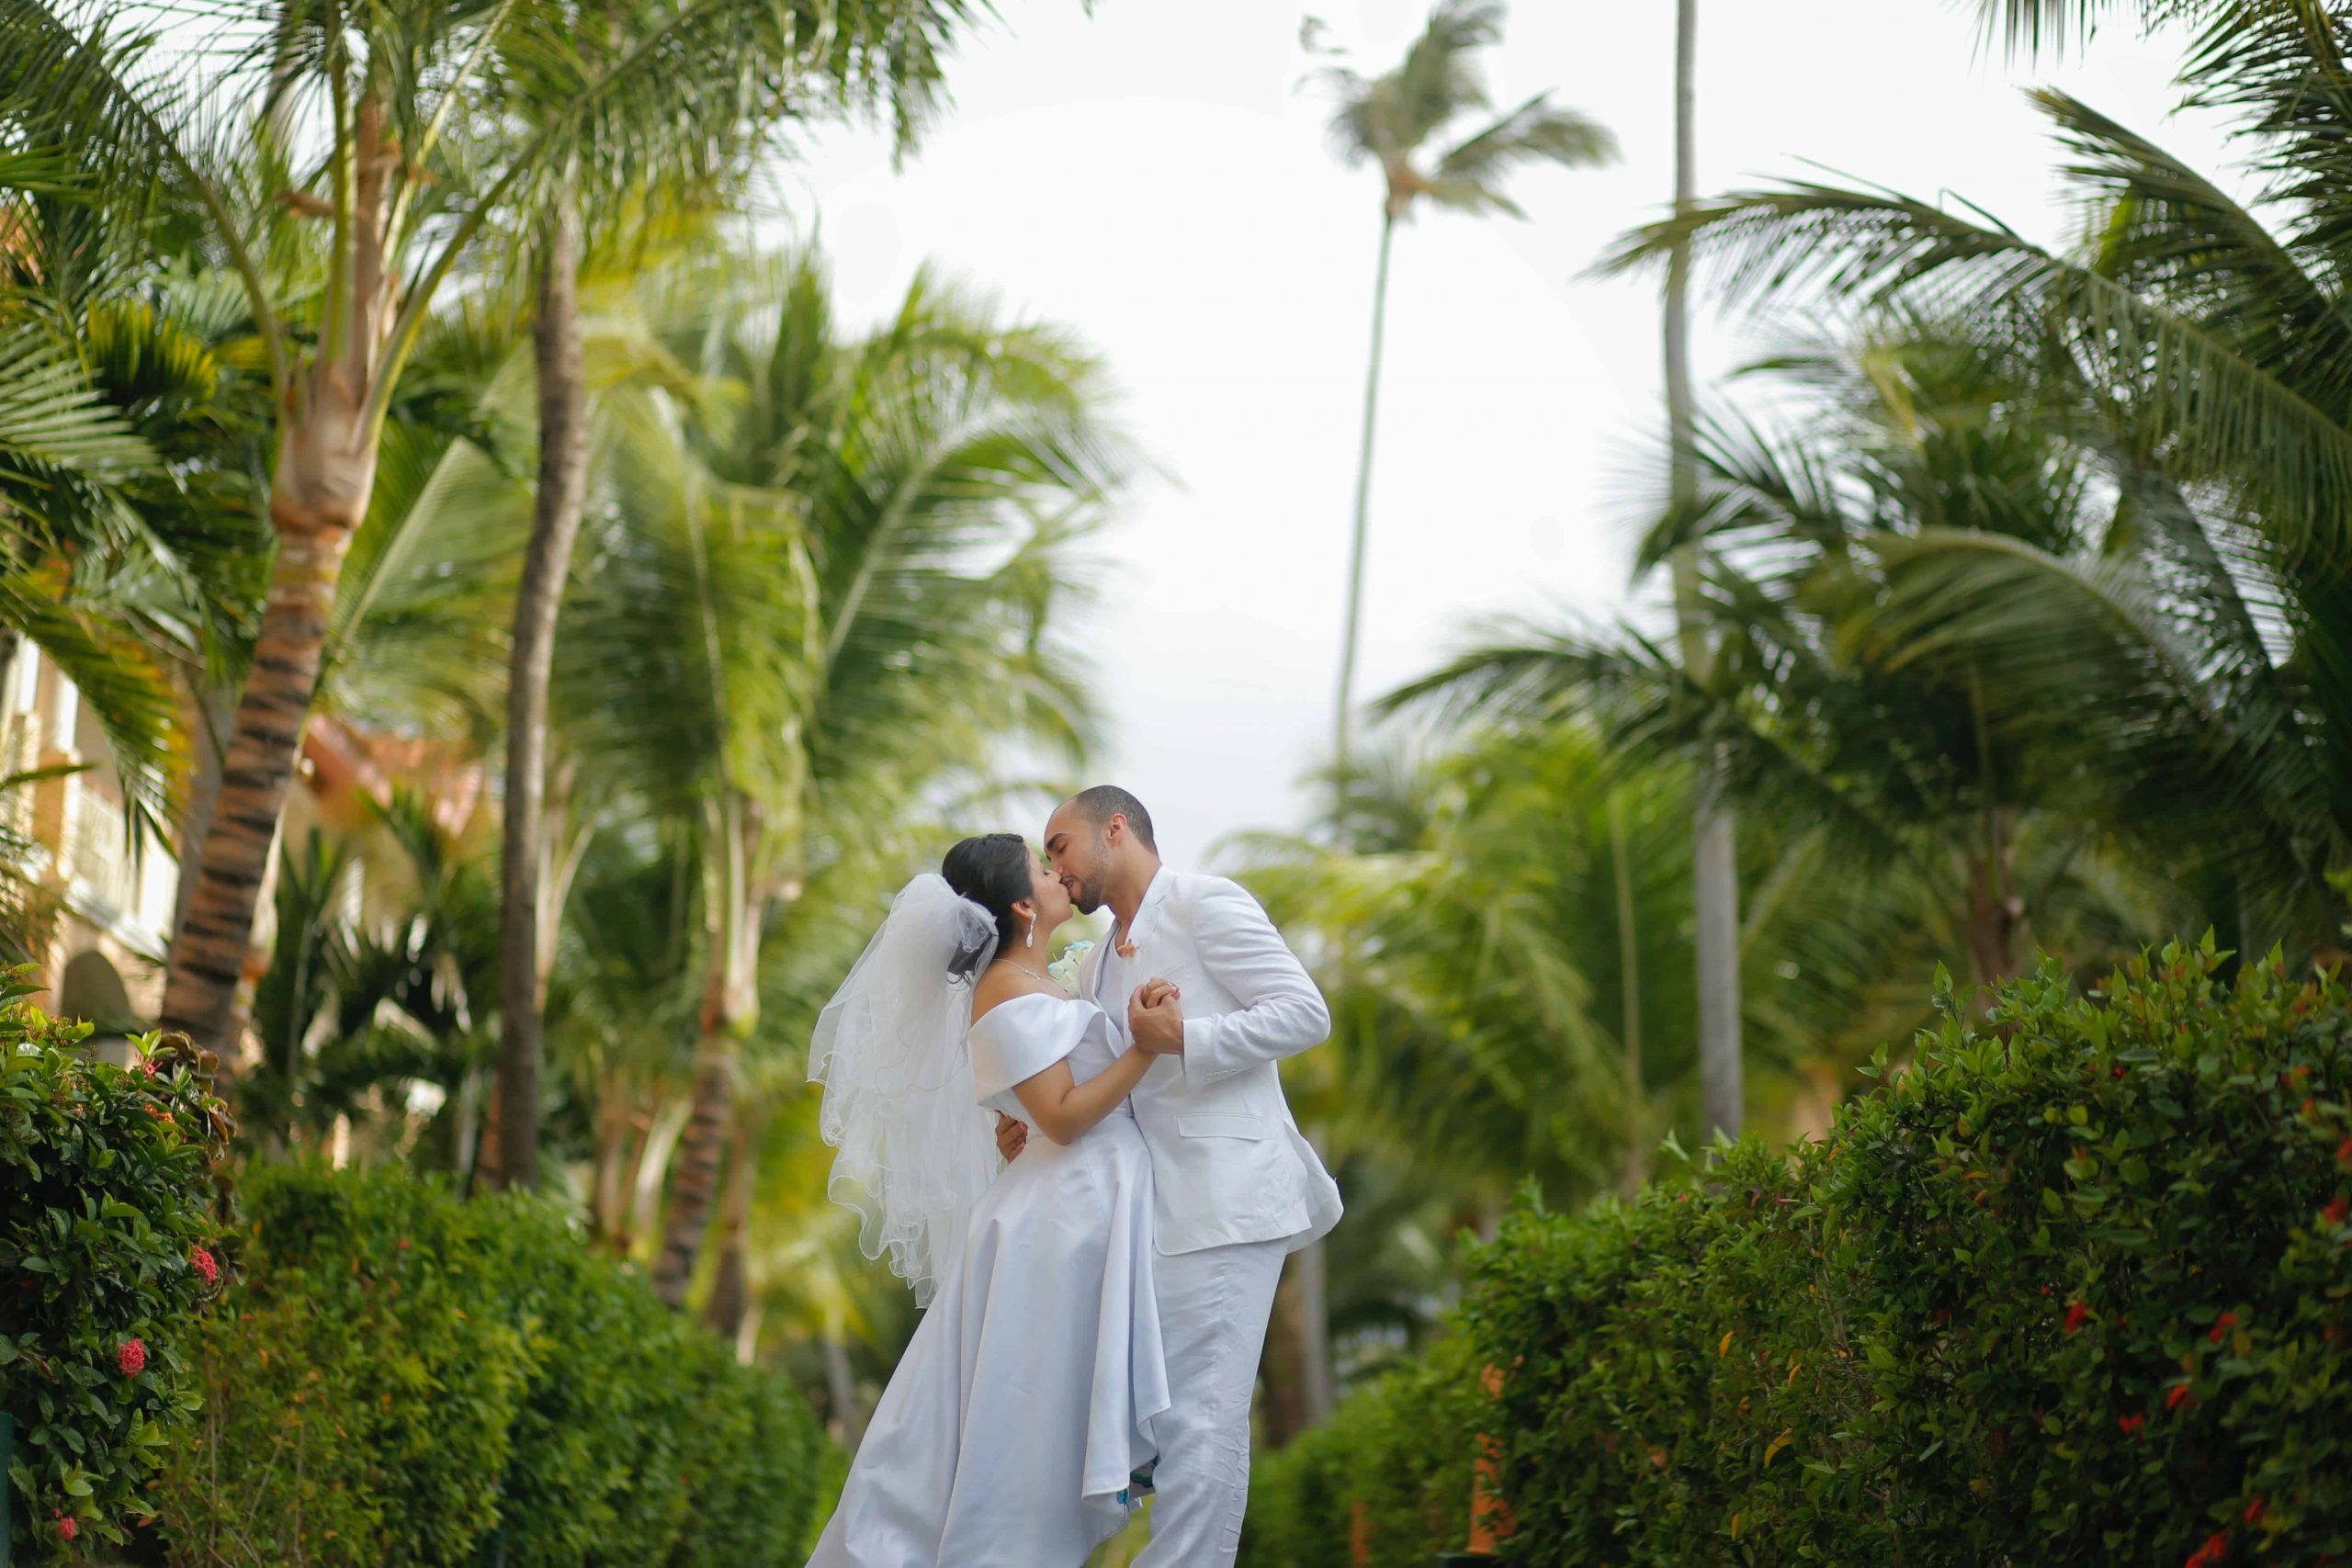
<point x="1157" y="177"/>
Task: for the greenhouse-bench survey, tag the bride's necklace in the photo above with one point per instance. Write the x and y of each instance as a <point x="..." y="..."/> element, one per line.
<point x="1033" y="974"/>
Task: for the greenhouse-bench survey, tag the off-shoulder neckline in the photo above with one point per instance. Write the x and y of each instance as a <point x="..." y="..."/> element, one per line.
<point x="1029" y="996"/>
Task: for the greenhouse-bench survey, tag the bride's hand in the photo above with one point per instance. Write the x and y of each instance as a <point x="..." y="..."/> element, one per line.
<point x="1012" y="1136"/>
<point x="1156" y="1018"/>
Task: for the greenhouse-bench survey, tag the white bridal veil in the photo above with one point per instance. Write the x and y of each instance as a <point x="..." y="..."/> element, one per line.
<point x="916" y="1148"/>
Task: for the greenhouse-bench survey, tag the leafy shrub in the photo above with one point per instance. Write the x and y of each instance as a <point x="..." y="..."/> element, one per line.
<point x="360" y="1392"/>
<point x="108" y="1254"/>
<point x="1390" y="1471"/>
<point x="2071" y="1287"/>
<point x="413" y="1379"/>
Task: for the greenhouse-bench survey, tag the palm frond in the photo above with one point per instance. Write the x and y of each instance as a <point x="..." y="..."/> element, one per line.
<point x="1469" y="173"/>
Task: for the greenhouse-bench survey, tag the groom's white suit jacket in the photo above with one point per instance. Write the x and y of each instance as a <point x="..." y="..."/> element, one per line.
<point x="1228" y="1162"/>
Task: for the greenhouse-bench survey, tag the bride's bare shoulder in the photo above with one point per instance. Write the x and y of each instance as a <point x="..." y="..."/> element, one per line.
<point x="1003" y="984"/>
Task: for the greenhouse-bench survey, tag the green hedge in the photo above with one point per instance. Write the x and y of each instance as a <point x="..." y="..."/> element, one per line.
<point x="1390" y="1468"/>
<point x="2071" y="1287"/>
<point x="108" y="1255"/>
<point x="407" y="1377"/>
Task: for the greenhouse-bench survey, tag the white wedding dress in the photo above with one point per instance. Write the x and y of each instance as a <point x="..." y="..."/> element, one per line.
<point x="1025" y="1399"/>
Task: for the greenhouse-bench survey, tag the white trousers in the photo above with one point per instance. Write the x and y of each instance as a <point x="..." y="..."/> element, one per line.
<point x="1214" y="1306"/>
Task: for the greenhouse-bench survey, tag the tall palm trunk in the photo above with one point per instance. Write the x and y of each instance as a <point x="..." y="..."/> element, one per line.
<point x="729" y="1012"/>
<point x="546" y="567"/>
<point x="840" y="1389"/>
<point x="609" y="1187"/>
<point x="325" y="471"/>
<point x="1306" y="1300"/>
<point x="1344" y="720"/>
<point x="730" y="1287"/>
<point x="1629" y="985"/>
<point x="1715" y="866"/>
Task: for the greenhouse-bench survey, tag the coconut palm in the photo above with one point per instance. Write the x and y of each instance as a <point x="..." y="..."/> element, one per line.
<point x="386" y="155"/>
<point x="564" y="230"/>
<point x="1494" y="923"/>
<point x="1423" y="125"/>
<point x="1714" y="869"/>
<point x="2196" y="342"/>
<point x="825" y="572"/>
<point x="1846" y="710"/>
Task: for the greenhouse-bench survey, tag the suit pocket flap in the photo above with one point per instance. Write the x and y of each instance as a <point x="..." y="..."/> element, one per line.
<point x="1206" y="1125"/>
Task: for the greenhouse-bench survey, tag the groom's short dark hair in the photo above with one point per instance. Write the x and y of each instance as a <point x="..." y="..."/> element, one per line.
<point x="1105" y="801"/>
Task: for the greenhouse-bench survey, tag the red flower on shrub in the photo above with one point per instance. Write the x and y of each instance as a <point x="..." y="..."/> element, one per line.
<point x="2337" y="1210"/>
<point x="2130" y="1424"/>
<point x="204" y="1263"/>
<point x="2118" y="1069"/>
<point x="2216" y="1547"/>
<point x="67" y="1526"/>
<point x="147" y="1065"/>
<point x="2076" y="1312"/>
<point x="2178" y="1395"/>
<point x="2344" y="1151"/>
<point x="132" y="1358"/>
<point x="2222" y="1326"/>
<point x="2253" y="1510"/>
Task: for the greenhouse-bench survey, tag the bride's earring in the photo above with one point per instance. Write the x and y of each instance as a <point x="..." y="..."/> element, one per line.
<point x="1033" y="930"/>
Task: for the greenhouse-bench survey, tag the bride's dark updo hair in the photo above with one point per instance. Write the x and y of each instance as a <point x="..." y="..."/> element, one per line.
<point x="992" y="871"/>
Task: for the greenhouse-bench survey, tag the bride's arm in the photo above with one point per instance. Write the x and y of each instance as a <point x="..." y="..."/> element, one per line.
<point x="1063" y="1108"/>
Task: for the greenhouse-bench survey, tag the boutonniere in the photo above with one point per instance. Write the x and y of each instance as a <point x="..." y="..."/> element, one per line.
<point x="1125" y="945"/>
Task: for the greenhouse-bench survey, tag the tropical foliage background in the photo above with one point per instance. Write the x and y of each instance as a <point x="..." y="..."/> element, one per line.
<point x="406" y="376"/>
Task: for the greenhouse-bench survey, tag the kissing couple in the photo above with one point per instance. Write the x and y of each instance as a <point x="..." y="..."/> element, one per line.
<point x="1098" y="1266"/>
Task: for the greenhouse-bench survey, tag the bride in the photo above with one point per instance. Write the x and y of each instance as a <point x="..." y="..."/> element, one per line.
<point x="1008" y="1434"/>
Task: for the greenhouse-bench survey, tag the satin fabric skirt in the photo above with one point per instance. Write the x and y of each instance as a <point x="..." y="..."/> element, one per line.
<point x="1027" y="1395"/>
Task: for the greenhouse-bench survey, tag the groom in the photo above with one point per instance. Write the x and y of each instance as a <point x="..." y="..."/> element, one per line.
<point x="1238" y="1187"/>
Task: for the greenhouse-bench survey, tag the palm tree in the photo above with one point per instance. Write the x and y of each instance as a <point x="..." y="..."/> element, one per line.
<point x="342" y="256"/>
<point x="1492" y="924"/>
<point x="1408" y="122"/>
<point x="2199" y="345"/>
<point x="1846" y="710"/>
<point x="561" y="381"/>
<point x="1715" y="859"/>
<point x="826" y="573"/>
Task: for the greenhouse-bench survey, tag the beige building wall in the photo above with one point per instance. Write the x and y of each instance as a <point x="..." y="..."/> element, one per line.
<point x="115" y="906"/>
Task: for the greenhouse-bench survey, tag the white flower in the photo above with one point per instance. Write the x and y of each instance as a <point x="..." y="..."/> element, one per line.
<point x="1064" y="968"/>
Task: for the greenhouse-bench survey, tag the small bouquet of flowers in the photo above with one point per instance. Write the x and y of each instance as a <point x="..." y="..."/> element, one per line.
<point x="1065" y="969"/>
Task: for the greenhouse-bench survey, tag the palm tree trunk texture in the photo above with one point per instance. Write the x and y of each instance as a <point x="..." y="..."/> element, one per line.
<point x="841" y="1391"/>
<point x="1344" y="722"/>
<point x="730" y="1294"/>
<point x="729" y="1012"/>
<point x="1280" y="1367"/>
<point x="1312" y="1265"/>
<point x="1306" y="1294"/>
<point x="546" y="567"/>
<point x="1995" y="913"/>
<point x="1629" y="983"/>
<point x="609" y="1189"/>
<point x="317" y="496"/>
<point x="1715" y="864"/>
<point x="326" y="472"/>
<point x="218" y="713"/>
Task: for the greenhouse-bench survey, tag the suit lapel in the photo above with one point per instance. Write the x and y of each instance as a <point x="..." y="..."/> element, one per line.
<point x="1145" y="932"/>
<point x="1090" y="971"/>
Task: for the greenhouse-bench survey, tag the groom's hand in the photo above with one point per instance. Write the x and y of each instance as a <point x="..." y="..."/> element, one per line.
<point x="1012" y="1136"/>
<point x="1156" y="1018"/>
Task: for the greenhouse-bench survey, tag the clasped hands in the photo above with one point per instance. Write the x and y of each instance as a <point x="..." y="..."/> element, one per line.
<point x="1156" y="1024"/>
